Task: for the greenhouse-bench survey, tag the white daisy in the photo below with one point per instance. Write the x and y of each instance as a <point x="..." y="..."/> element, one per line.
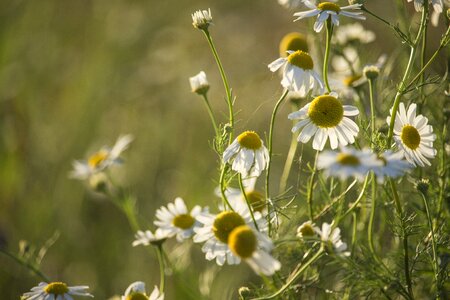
<point x="437" y="5"/>
<point x="247" y="154"/>
<point x="175" y="219"/>
<point x="326" y="10"/>
<point x="199" y="83"/>
<point x="253" y="247"/>
<point x="307" y="230"/>
<point x="101" y="160"/>
<point x="413" y="136"/>
<point x="147" y="237"/>
<point x="353" y="33"/>
<point x="393" y="166"/>
<point x="201" y="19"/>
<point x="217" y="228"/>
<point x="136" y="291"/>
<point x="348" y="163"/>
<point x="56" y="291"/>
<point x="332" y="239"/>
<point x="325" y="117"/>
<point x="298" y="73"/>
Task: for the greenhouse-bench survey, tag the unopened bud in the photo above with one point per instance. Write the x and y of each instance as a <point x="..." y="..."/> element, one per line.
<point x="371" y="72"/>
<point x="201" y="19"/>
<point x="423" y="186"/>
<point x="199" y="83"/>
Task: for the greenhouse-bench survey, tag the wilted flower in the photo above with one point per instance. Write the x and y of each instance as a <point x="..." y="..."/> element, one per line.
<point x="56" y="290"/>
<point x="136" y="291"/>
<point x="201" y="19"/>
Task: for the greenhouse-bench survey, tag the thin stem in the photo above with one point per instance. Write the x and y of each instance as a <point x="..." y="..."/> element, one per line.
<point x="211" y="114"/>
<point x="225" y="82"/>
<point x="222" y="186"/>
<point x="372" y="214"/>
<point x="422" y="64"/>
<point x="309" y="197"/>
<point x="27" y="265"/>
<point x="159" y="252"/>
<point x="372" y="112"/>
<point x="241" y="186"/>
<point x="355" y="204"/>
<point x="327" y="54"/>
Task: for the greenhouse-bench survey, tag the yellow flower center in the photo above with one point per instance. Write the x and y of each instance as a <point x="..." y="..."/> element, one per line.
<point x="301" y="59"/>
<point x="242" y="241"/>
<point x="97" y="158"/>
<point x="56" y="288"/>
<point x="348" y="159"/>
<point x="329" y="6"/>
<point x="224" y="223"/>
<point x="249" y="140"/>
<point x="137" y="296"/>
<point x="184" y="221"/>
<point x="410" y="137"/>
<point x="326" y="111"/>
<point x="256" y="200"/>
<point x="307" y="230"/>
<point x="293" y="41"/>
<point x="348" y="81"/>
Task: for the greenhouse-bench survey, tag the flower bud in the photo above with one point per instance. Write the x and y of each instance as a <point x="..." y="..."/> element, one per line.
<point x="371" y="72"/>
<point x="201" y="19"/>
<point x="199" y="83"/>
<point x="423" y="185"/>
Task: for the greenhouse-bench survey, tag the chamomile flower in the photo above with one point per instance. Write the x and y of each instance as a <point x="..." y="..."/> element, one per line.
<point x="175" y="219"/>
<point x="56" y="290"/>
<point x="253" y="247"/>
<point x="298" y="73"/>
<point x="326" y="117"/>
<point x="247" y="154"/>
<point x="147" y="237"/>
<point x="201" y="19"/>
<point x="325" y="10"/>
<point x="199" y="83"/>
<point x="255" y="198"/>
<point x="347" y="163"/>
<point x="307" y="230"/>
<point x="393" y="166"/>
<point x="353" y="33"/>
<point x="332" y="239"/>
<point x="217" y="229"/>
<point x="101" y="160"/>
<point x="437" y="5"/>
<point x="413" y="136"/>
<point x="136" y="291"/>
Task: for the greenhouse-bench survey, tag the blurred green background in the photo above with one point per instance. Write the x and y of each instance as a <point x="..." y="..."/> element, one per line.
<point x="74" y="75"/>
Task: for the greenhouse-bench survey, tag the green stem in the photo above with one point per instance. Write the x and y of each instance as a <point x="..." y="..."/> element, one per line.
<point x="159" y="253"/>
<point x="422" y="64"/>
<point x="225" y="82"/>
<point x="211" y="115"/>
<point x="327" y="54"/>
<point x="241" y="186"/>
<point x="222" y="186"/>
<point x="372" y="112"/>
<point x="309" y="196"/>
<point x="27" y="265"/>
<point x="355" y="204"/>
<point x="372" y="215"/>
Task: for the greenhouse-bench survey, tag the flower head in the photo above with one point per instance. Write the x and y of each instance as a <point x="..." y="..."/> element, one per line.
<point x="201" y="19"/>
<point x="393" y="166"/>
<point x="332" y="239"/>
<point x="307" y="230"/>
<point x="353" y="33"/>
<point x="147" y="237"/>
<point x="199" y="83"/>
<point x="437" y="5"/>
<point x="56" y="290"/>
<point x="136" y="291"/>
<point x="247" y="154"/>
<point x="413" y="136"/>
<point x="326" y="117"/>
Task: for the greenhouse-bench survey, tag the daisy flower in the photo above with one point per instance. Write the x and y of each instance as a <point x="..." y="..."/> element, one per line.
<point x="201" y="19"/>
<point x="253" y="247"/>
<point x="348" y="163"/>
<point x="353" y="33"/>
<point x="217" y="228"/>
<point x="332" y="239"/>
<point x="136" y="291"/>
<point x="175" y="219"/>
<point x="56" y="290"/>
<point x="298" y="73"/>
<point x="147" y="237"/>
<point x="247" y="154"/>
<point x="326" y="10"/>
<point x="325" y="117"/>
<point x="437" y="5"/>
<point x="101" y="160"/>
<point x="393" y="166"/>
<point x="413" y="136"/>
<point x="307" y="230"/>
<point x="199" y="83"/>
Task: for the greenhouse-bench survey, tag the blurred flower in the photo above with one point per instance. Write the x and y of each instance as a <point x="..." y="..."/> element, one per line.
<point x="298" y="73"/>
<point x="201" y="19"/>
<point x="413" y="136"/>
<point x="146" y="238"/>
<point x="327" y="10"/>
<point x="255" y="198"/>
<point x="56" y="290"/>
<point x="307" y="230"/>
<point x="101" y="160"/>
<point x="247" y="154"/>
<point x="290" y="3"/>
<point x="423" y="185"/>
<point x="353" y="33"/>
<point x="437" y="5"/>
<point x="325" y="117"/>
<point x="176" y="220"/>
<point x="199" y="83"/>
<point x="293" y="41"/>
<point x="348" y="163"/>
<point x="136" y="291"/>
<point x="253" y="247"/>
<point x="393" y="166"/>
<point x="371" y="71"/>
<point x="436" y="13"/>
<point x="332" y="237"/>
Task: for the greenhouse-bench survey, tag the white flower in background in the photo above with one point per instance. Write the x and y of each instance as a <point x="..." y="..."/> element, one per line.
<point x="307" y="230"/>
<point x="136" y="291"/>
<point x="436" y="14"/>
<point x="247" y="154"/>
<point x="332" y="238"/>
<point x="201" y="19"/>
<point x="413" y="136"/>
<point x="290" y="3"/>
<point x="326" y="10"/>
<point x="175" y="219"/>
<point x="56" y="291"/>
<point x="217" y="228"/>
<point x="101" y="160"/>
<point x="351" y="33"/>
<point x="298" y="73"/>
<point x="255" y="198"/>
<point x="293" y="41"/>
<point x="348" y="163"/>
<point x="199" y="83"/>
<point x="253" y="247"/>
<point x="437" y="5"/>
<point x="147" y="237"/>
<point x="393" y="166"/>
<point x="325" y="117"/>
